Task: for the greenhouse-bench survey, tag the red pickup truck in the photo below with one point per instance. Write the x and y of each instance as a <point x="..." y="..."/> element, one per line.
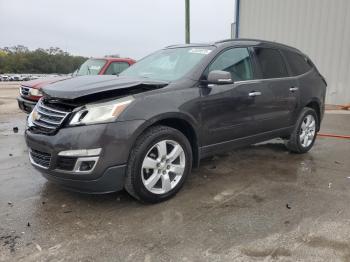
<point x="30" y="91"/>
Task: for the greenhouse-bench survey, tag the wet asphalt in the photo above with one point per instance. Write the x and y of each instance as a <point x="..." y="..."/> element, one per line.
<point x="259" y="203"/>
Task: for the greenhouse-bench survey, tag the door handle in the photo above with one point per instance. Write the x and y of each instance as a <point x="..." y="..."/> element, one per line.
<point x="294" y="88"/>
<point x="253" y="94"/>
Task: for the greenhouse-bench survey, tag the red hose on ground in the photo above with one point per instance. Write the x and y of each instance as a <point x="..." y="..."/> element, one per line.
<point x="337" y="107"/>
<point x="334" y="136"/>
<point x="343" y="107"/>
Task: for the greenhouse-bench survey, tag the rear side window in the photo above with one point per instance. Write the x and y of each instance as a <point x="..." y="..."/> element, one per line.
<point x="271" y="63"/>
<point x="297" y="63"/>
<point x="115" y="68"/>
<point x="236" y="61"/>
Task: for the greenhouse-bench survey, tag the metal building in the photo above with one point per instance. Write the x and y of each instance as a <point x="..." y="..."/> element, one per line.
<point x="319" y="28"/>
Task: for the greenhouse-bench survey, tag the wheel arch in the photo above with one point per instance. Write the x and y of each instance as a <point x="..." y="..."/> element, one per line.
<point x="316" y="105"/>
<point x="180" y="121"/>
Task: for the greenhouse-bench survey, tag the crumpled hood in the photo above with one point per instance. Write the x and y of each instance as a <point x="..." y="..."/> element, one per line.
<point x="81" y="86"/>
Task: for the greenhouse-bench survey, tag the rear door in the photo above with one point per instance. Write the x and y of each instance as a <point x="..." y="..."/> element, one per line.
<point x="299" y="66"/>
<point x="278" y="99"/>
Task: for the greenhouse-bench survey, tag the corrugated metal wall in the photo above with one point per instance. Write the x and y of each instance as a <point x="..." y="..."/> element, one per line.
<point x="319" y="28"/>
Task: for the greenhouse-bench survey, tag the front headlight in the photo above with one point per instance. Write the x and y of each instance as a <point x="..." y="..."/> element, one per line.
<point x="35" y="92"/>
<point x="101" y="113"/>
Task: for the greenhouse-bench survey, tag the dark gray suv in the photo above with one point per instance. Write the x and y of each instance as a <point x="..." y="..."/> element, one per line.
<point x="145" y="129"/>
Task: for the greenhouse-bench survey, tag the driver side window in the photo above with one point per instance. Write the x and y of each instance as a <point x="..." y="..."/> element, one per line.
<point x="115" y="68"/>
<point x="235" y="61"/>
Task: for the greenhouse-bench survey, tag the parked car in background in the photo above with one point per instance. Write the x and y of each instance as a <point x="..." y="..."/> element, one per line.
<point x="24" y="77"/>
<point x="15" y="78"/>
<point x="33" y="77"/>
<point x="144" y="130"/>
<point x="30" y="91"/>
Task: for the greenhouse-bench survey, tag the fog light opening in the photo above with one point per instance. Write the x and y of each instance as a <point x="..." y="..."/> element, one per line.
<point x="86" y="165"/>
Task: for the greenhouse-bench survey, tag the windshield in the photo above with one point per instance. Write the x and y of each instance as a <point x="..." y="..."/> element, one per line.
<point x="91" y="67"/>
<point x="168" y="64"/>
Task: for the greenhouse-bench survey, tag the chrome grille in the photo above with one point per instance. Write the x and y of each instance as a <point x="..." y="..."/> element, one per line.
<point x="24" y="91"/>
<point x="39" y="158"/>
<point x="48" y="117"/>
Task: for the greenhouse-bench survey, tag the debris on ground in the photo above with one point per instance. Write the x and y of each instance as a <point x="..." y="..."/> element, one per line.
<point x="288" y="206"/>
<point x="38" y="247"/>
<point x="15" y="129"/>
<point x="10" y="204"/>
<point x="340" y="211"/>
<point x="258" y="199"/>
<point x="329" y="185"/>
<point x="28" y="224"/>
<point x="10" y="154"/>
<point x="67" y="211"/>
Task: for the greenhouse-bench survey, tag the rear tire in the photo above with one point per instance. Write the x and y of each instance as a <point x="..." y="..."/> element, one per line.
<point x="158" y="164"/>
<point x="305" y="131"/>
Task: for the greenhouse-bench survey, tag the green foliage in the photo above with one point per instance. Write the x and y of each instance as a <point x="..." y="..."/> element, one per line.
<point x="19" y="59"/>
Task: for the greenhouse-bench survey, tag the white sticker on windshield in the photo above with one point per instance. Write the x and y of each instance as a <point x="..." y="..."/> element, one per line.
<point x="200" y="51"/>
<point x="93" y="67"/>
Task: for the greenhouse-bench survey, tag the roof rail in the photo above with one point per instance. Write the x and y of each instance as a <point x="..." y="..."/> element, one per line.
<point x="256" y="40"/>
<point x="226" y="40"/>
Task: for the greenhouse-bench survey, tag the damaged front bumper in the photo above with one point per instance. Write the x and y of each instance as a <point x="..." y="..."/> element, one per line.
<point x="90" y="159"/>
<point x="26" y="105"/>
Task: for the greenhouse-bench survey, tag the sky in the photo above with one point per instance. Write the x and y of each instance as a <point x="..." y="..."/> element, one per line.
<point x="130" y="28"/>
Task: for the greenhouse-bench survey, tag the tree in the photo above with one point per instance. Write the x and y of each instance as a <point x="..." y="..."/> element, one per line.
<point x="19" y="59"/>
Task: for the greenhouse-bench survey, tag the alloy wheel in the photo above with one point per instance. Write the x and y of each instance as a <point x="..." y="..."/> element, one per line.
<point x="307" y="131"/>
<point x="163" y="166"/>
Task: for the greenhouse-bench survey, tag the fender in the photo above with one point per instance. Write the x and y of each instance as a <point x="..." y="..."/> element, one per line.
<point x="320" y="106"/>
<point x="174" y="115"/>
<point x="169" y="115"/>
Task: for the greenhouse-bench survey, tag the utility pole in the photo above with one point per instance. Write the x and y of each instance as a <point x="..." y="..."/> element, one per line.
<point x="187" y="22"/>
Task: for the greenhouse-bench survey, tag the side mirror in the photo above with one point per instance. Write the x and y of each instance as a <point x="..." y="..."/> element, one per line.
<point x="219" y="77"/>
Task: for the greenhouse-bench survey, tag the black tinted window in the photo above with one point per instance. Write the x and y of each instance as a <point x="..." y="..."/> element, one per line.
<point x="271" y="63"/>
<point x="236" y="61"/>
<point x="298" y="64"/>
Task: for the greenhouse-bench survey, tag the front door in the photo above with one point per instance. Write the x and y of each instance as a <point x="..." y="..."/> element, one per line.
<point x="228" y="110"/>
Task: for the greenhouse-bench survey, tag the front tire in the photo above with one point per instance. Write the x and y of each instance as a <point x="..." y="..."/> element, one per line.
<point x="158" y="164"/>
<point x="304" y="134"/>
